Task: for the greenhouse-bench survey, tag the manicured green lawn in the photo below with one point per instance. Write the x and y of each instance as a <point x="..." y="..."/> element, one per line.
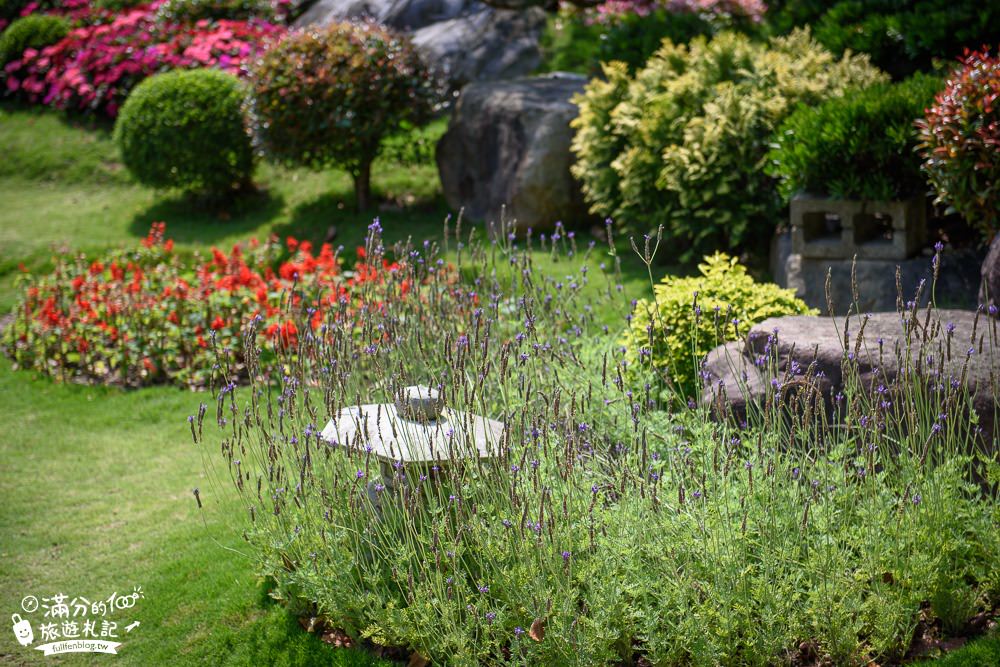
<point x="96" y="498"/>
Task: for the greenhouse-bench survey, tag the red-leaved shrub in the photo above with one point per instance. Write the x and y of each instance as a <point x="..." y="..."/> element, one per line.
<point x="960" y="141"/>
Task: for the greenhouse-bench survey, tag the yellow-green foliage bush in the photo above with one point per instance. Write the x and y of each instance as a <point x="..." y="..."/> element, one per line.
<point x="683" y="142"/>
<point x="688" y="317"/>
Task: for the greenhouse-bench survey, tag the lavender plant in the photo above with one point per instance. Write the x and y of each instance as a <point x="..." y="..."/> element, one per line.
<point x="607" y="528"/>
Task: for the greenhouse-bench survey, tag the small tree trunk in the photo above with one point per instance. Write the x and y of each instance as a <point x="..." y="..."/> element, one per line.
<point x="363" y="186"/>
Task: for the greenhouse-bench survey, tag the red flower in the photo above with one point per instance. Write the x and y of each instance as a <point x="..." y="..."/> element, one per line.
<point x="218" y="323"/>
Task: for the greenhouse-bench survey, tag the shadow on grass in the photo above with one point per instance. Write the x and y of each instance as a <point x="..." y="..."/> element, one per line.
<point x="313" y="220"/>
<point x="194" y="220"/>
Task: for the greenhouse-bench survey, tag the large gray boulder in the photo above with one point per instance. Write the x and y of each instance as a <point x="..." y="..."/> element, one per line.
<point x="507" y="145"/>
<point x="465" y="39"/>
<point x="812" y="344"/>
<point x="989" y="288"/>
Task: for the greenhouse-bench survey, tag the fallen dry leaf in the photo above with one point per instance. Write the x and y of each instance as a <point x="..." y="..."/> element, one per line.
<point x="537" y="630"/>
<point x="337" y="638"/>
<point x="417" y="660"/>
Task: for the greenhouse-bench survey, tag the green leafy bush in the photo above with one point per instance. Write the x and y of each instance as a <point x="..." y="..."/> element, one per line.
<point x="10" y="10"/>
<point x="901" y="36"/>
<point x="328" y="96"/>
<point x="688" y="317"/>
<point x="186" y="129"/>
<point x="30" y="32"/>
<point x="573" y="43"/>
<point x="859" y="146"/>
<point x="117" y="5"/>
<point x="960" y="142"/>
<point x="189" y="11"/>
<point x="683" y="142"/>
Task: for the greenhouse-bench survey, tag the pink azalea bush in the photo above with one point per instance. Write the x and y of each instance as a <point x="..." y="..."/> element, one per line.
<point x="106" y="55"/>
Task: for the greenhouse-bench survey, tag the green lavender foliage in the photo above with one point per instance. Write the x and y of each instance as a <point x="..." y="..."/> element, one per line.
<point x="606" y="529"/>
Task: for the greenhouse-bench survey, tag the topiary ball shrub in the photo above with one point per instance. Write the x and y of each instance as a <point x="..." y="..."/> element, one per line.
<point x="688" y="317"/>
<point x="31" y="32"/>
<point x="682" y="143"/>
<point x="960" y="142"/>
<point x="328" y="96"/>
<point x="186" y="130"/>
<point x="859" y="146"/>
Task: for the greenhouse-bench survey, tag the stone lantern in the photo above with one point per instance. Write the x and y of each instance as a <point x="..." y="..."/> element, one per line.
<point x="416" y="429"/>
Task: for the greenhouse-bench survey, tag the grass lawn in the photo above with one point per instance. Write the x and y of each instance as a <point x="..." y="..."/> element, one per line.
<point x="96" y="483"/>
<point x="96" y="489"/>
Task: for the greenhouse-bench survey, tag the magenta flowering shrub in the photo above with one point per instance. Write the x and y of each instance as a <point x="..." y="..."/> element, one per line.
<point x="101" y="60"/>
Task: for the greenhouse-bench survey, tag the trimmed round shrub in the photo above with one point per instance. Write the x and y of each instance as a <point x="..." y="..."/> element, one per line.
<point x="30" y="32"/>
<point x="186" y="129"/>
<point x="328" y="96"/>
<point x="689" y="317"/>
<point x="859" y="146"/>
<point x="683" y="142"/>
<point x="960" y="142"/>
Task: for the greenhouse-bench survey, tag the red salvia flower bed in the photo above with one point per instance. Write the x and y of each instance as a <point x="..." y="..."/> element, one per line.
<point x="149" y="315"/>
